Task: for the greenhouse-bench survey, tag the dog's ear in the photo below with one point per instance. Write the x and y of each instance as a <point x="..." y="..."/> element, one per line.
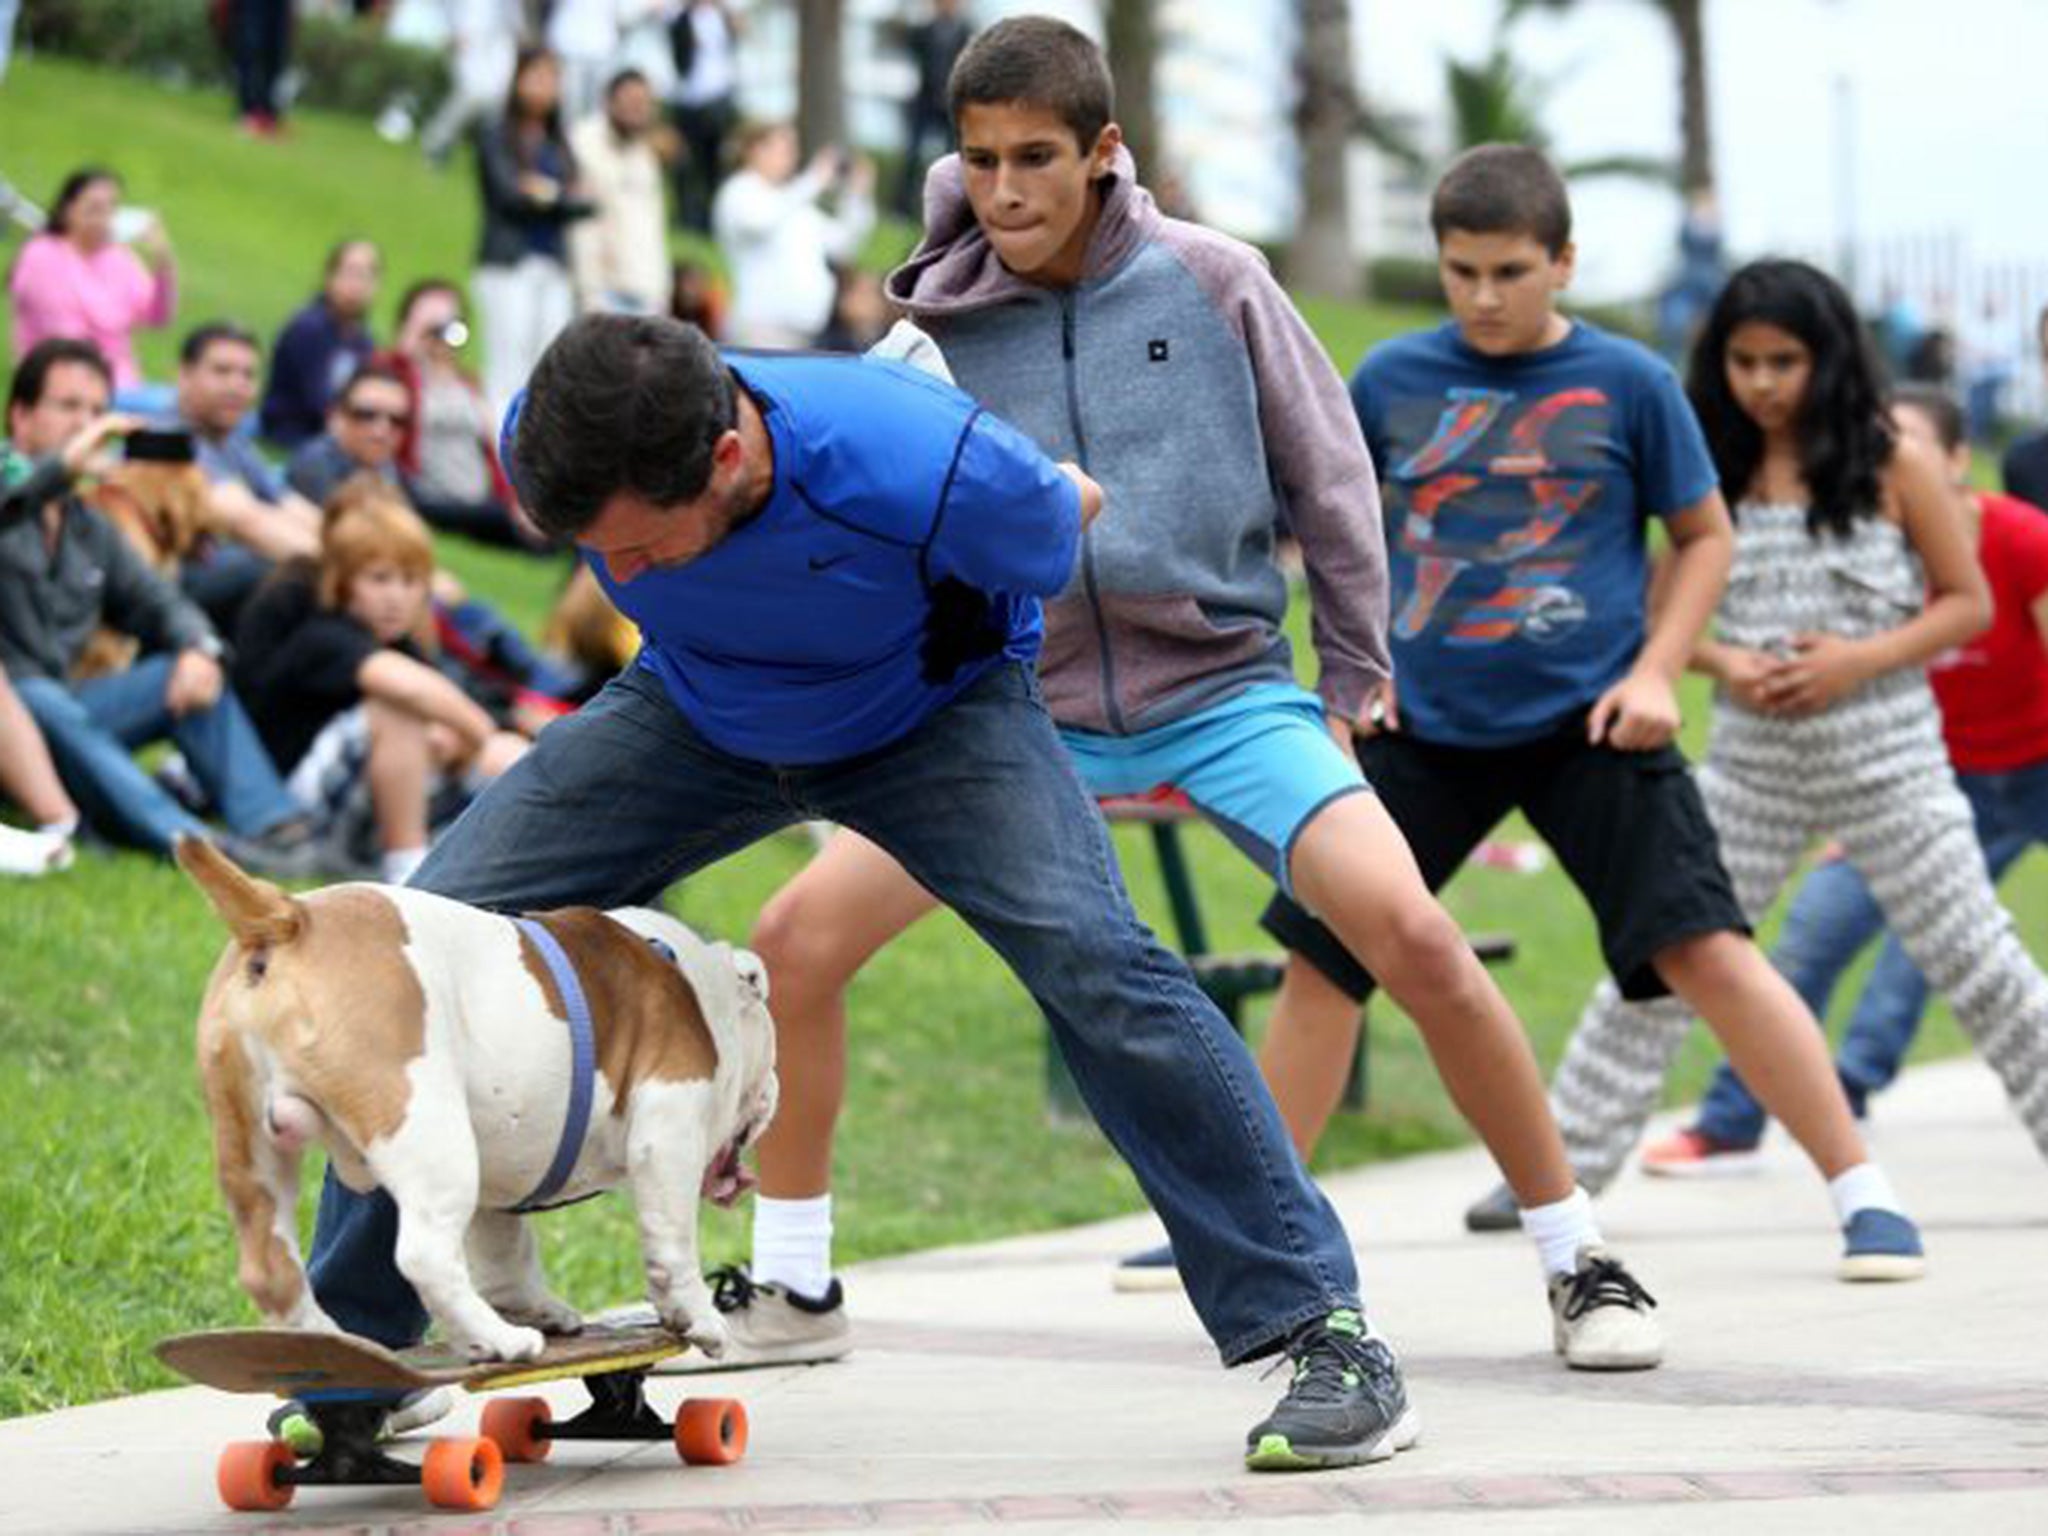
<point x="256" y="912"/>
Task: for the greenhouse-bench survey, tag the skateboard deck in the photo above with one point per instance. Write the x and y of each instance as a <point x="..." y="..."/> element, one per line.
<point x="336" y="1436"/>
<point x="288" y="1361"/>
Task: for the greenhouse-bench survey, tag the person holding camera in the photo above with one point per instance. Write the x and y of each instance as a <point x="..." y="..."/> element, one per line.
<point x="781" y="241"/>
<point x="97" y="272"/>
<point x="65" y="572"/>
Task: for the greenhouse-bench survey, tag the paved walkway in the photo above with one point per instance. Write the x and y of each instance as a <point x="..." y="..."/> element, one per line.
<point x="1007" y="1386"/>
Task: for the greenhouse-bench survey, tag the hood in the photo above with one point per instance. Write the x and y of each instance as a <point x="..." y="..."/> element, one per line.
<point x="954" y="269"/>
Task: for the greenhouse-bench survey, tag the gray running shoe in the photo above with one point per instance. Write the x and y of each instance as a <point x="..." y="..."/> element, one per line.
<point x="1345" y="1405"/>
<point x="1494" y="1211"/>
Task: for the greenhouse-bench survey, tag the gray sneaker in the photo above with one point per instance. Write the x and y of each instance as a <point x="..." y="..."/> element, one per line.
<point x="767" y="1324"/>
<point x="1600" y="1317"/>
<point x="1494" y="1211"/>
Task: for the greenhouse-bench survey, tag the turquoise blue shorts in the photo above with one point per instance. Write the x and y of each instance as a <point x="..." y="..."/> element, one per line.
<point x="1258" y="766"/>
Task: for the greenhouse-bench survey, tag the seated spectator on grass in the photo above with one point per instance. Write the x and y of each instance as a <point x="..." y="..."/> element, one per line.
<point x="618" y="258"/>
<point x="321" y="346"/>
<point x="78" y="278"/>
<point x="260" y="519"/>
<point x="449" y="452"/>
<point x="334" y="657"/>
<point x="696" y="297"/>
<point x="365" y="424"/>
<point x="64" y="572"/>
<point x="29" y="780"/>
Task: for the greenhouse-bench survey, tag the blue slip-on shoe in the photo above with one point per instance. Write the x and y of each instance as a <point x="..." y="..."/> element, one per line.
<point x="1881" y="1245"/>
<point x="1152" y="1270"/>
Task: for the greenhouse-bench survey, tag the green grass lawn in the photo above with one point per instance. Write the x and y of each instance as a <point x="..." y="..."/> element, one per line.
<point x="110" y="1231"/>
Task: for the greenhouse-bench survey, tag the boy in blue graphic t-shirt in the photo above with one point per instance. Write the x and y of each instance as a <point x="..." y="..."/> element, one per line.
<point x="1523" y="458"/>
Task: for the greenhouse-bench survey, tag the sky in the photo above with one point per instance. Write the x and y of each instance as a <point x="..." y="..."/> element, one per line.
<point x="1895" y="118"/>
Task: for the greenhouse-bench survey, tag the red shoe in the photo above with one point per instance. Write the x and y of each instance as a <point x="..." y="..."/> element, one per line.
<point x="1693" y="1154"/>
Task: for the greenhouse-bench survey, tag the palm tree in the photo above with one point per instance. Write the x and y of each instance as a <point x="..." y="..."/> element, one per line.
<point x="1326" y="113"/>
<point x="1132" y="32"/>
<point x="1687" y="19"/>
<point x="1496" y="101"/>
<point x="820" y="73"/>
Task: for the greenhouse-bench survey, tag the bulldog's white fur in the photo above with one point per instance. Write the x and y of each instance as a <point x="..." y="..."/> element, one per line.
<point x="424" y="1044"/>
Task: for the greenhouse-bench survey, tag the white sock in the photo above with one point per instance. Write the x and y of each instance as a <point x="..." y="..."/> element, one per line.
<point x="793" y="1244"/>
<point x="1560" y="1229"/>
<point x="68" y="827"/>
<point x="400" y="863"/>
<point x="1862" y="1188"/>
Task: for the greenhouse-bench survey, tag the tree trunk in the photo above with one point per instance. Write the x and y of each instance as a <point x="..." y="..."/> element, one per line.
<point x="1133" y="49"/>
<point x="1695" y="136"/>
<point x="820" y="73"/>
<point x="1321" y="259"/>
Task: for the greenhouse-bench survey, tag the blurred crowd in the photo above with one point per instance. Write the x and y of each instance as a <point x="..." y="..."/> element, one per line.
<point x="219" y="593"/>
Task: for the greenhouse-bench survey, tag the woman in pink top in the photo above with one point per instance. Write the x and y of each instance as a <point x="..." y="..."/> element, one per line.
<point x="75" y="279"/>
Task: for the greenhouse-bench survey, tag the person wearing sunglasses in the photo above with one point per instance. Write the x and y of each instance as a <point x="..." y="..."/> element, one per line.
<point x="365" y="425"/>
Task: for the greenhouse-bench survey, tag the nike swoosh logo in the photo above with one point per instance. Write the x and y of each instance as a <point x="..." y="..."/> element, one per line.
<point x="826" y="562"/>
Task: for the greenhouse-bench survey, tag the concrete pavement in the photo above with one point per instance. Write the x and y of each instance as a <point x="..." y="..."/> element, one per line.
<point x="1007" y="1385"/>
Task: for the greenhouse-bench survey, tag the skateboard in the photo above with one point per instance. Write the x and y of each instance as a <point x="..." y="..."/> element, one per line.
<point x="336" y="1439"/>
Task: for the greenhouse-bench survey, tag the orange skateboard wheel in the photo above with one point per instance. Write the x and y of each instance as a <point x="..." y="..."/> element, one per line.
<point x="512" y="1422"/>
<point x="247" y="1475"/>
<point x="711" y="1431"/>
<point x="463" y="1474"/>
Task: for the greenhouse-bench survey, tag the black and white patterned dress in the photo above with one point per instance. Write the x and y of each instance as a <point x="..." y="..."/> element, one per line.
<point x="1871" y="771"/>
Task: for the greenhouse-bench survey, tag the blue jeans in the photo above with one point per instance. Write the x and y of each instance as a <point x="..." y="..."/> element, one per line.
<point x="982" y="806"/>
<point x="1834" y="915"/>
<point x="94" y="726"/>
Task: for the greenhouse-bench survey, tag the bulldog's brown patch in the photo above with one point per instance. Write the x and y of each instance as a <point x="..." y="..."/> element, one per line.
<point x="645" y="1019"/>
<point x="352" y="1017"/>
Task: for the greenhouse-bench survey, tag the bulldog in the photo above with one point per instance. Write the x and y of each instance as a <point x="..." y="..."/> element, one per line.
<point x="434" y="1050"/>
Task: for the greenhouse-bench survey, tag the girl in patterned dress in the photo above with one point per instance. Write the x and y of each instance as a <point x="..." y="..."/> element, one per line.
<point x="1853" y="568"/>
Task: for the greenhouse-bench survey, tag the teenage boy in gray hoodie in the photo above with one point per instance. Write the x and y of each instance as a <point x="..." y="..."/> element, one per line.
<point x="1165" y="358"/>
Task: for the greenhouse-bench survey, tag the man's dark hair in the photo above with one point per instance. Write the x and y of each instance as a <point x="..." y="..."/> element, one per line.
<point x="619" y="403"/>
<point x="375" y="371"/>
<point x="623" y="78"/>
<point x="214" y="333"/>
<point x="1503" y="189"/>
<point x="32" y="373"/>
<point x="1939" y="406"/>
<point x="1035" y="61"/>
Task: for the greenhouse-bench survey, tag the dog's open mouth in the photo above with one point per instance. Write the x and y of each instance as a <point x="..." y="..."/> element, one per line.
<point x="726" y="1178"/>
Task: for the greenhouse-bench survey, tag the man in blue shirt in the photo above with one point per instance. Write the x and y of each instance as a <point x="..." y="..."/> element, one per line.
<point x="836" y="564"/>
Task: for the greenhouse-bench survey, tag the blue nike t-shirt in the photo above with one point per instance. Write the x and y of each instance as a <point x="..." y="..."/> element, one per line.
<point x="1517" y="494"/>
<point x="799" y="638"/>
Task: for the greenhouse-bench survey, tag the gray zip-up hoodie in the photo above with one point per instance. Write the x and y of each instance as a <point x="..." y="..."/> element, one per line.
<point x="1178" y="374"/>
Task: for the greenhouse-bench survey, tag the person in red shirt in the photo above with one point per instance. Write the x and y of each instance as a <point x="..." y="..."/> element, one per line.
<point x="1993" y="693"/>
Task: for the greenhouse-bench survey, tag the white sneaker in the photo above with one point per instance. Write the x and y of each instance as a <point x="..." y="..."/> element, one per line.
<point x="766" y="1323"/>
<point x="1600" y="1317"/>
<point x="33" y="853"/>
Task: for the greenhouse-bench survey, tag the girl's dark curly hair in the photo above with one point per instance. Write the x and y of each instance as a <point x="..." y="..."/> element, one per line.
<point x="1845" y="436"/>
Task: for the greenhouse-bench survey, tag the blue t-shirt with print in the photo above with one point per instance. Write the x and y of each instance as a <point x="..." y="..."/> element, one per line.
<point x="800" y="638"/>
<point x="1518" y="492"/>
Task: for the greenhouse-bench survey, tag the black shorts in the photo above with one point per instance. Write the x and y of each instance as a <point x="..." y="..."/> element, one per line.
<point x="1629" y="829"/>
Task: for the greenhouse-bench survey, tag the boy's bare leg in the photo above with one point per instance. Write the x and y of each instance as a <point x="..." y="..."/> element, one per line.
<point x="814" y="936"/>
<point x="1314" y="1023"/>
<point x="1771" y="1040"/>
<point x="1352" y="867"/>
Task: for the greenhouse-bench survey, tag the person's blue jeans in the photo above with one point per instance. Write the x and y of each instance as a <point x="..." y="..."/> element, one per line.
<point x="1830" y="920"/>
<point x="93" y="727"/>
<point x="982" y="806"/>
